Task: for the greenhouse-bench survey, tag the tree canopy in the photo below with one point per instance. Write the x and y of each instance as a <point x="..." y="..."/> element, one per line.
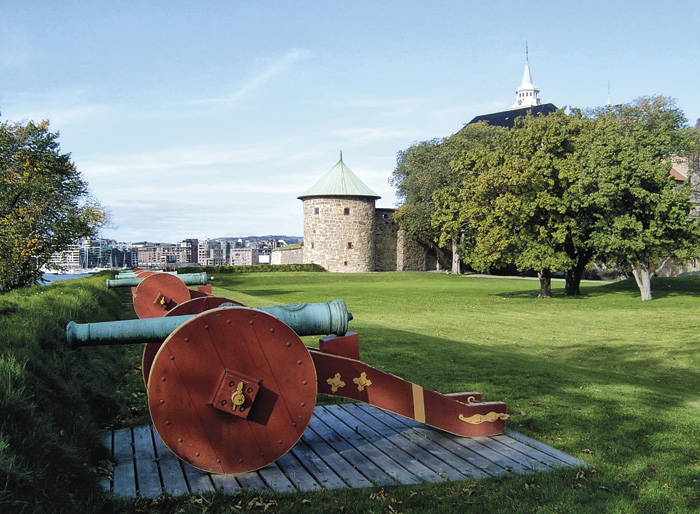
<point x="645" y="216"/>
<point x="44" y="203"/>
<point x="428" y="167"/>
<point x="557" y="191"/>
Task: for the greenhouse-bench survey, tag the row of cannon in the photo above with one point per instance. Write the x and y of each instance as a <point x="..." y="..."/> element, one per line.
<point x="231" y="389"/>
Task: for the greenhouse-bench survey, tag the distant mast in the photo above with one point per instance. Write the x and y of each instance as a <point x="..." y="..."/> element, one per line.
<point x="527" y="94"/>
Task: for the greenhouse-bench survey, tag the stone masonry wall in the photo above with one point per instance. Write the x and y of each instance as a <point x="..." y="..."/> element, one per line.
<point x="410" y="256"/>
<point x="385" y="239"/>
<point x="338" y="233"/>
<point x="284" y="256"/>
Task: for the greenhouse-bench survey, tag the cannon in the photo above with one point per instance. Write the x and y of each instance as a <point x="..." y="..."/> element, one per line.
<point x="136" y="273"/>
<point x="156" y="293"/>
<point x="232" y="389"/>
<point x="189" y="279"/>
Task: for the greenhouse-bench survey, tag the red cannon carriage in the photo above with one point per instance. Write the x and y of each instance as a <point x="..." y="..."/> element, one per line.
<point x="232" y="389"/>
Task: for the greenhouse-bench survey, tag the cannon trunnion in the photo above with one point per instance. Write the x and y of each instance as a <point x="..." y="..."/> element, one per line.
<point x="232" y="389"/>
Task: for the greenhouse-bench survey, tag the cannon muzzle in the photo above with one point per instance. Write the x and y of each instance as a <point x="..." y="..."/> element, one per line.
<point x="306" y="319"/>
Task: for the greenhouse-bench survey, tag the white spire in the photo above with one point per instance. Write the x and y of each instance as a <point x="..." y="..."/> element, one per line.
<point x="527" y="94"/>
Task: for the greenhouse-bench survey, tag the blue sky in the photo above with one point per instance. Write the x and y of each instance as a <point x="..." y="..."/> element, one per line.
<point x="208" y="119"/>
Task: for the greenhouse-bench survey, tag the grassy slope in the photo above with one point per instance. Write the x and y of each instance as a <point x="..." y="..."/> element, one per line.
<point x="54" y="401"/>
<point x="605" y="377"/>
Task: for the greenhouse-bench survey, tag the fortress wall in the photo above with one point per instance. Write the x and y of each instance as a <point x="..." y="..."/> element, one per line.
<point x="410" y="255"/>
<point x="385" y="239"/>
<point x="283" y="256"/>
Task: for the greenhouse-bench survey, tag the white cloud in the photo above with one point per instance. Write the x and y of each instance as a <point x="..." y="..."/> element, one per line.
<point x="277" y="67"/>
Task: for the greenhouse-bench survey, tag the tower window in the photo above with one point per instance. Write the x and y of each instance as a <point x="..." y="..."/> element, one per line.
<point x="345" y="263"/>
<point x="349" y="245"/>
<point x="346" y="211"/>
<point x="316" y="210"/>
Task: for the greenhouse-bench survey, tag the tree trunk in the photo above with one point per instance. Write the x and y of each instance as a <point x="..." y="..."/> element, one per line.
<point x="456" y="259"/>
<point x="642" y="274"/>
<point x="545" y="276"/>
<point x="573" y="278"/>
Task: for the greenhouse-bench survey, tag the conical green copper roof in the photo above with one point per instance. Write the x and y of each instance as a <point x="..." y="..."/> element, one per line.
<point x="339" y="181"/>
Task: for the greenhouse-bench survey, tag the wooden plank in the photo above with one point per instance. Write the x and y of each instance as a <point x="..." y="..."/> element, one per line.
<point x="348" y="474"/>
<point x="449" y="442"/>
<point x="226" y="483"/>
<point x="492" y="451"/>
<point x="356" y="459"/>
<point x="349" y="445"/>
<point x="302" y="479"/>
<point x="442" y="453"/>
<point x="362" y="444"/>
<point x="147" y="475"/>
<point x="251" y="481"/>
<point x="106" y="440"/>
<point x="322" y="473"/>
<point x="533" y="453"/>
<point x="411" y="445"/>
<point x="275" y="479"/>
<point x="392" y="445"/>
<point x="124" y="481"/>
<point x="171" y="471"/>
<point x="566" y="459"/>
<point x="198" y="481"/>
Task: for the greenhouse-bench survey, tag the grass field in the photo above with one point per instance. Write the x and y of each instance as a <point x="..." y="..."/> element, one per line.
<point x="607" y="378"/>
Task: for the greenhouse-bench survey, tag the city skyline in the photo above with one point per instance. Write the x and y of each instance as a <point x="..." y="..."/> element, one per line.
<point x="210" y="121"/>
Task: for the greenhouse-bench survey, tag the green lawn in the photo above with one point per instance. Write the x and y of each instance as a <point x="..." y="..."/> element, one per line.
<point x="607" y="378"/>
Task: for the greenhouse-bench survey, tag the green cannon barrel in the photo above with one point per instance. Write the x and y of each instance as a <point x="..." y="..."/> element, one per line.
<point x="190" y="279"/>
<point x="132" y="274"/>
<point x="306" y="319"/>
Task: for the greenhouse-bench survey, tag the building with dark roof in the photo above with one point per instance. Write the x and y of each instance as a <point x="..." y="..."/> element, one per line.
<point x="527" y="101"/>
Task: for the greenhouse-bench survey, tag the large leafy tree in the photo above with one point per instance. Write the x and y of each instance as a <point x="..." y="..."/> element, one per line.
<point x="44" y="203"/>
<point x="644" y="216"/>
<point x="427" y="167"/>
<point x="558" y="190"/>
<point x="515" y="203"/>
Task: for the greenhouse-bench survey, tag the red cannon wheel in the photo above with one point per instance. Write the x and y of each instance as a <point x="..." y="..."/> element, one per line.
<point x="193" y="306"/>
<point x="232" y="390"/>
<point x="159" y="293"/>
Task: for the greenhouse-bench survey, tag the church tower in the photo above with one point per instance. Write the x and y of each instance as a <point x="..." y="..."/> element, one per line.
<point x="339" y="212"/>
<point x="527" y="94"/>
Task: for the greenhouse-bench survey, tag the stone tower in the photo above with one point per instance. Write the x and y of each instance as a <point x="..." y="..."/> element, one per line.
<point x="339" y="215"/>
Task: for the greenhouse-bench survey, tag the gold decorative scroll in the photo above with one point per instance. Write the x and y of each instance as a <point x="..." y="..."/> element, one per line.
<point x="335" y="383"/>
<point x="478" y="419"/>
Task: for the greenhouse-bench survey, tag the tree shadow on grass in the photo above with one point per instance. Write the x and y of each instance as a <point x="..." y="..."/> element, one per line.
<point x="509" y="375"/>
<point x="661" y="287"/>
<point x="615" y="418"/>
<point x="267" y="292"/>
<point x="449" y="365"/>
